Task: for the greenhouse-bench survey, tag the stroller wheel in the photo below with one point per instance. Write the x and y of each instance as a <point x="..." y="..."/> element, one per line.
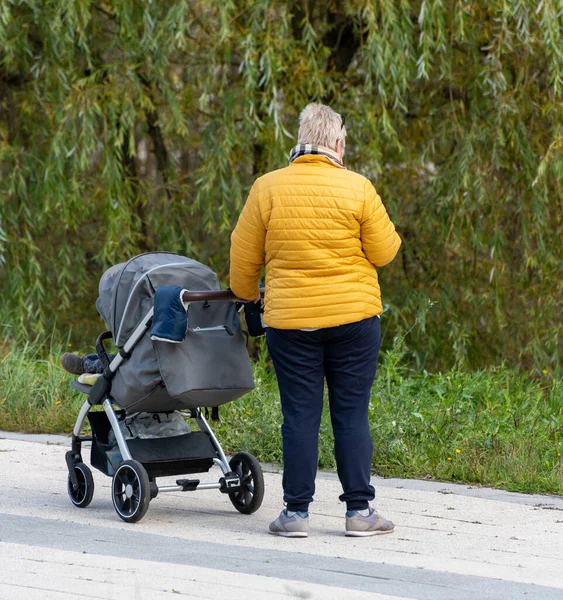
<point x="82" y="496"/>
<point x="249" y="498"/>
<point x="131" y="491"/>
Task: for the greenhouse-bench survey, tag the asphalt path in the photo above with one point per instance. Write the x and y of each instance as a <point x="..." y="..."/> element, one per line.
<point x="451" y="542"/>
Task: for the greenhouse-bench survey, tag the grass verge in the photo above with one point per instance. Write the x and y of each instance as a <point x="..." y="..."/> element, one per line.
<point x="498" y="427"/>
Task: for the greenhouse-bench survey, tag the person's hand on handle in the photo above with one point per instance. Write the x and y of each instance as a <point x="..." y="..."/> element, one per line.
<point x="256" y="300"/>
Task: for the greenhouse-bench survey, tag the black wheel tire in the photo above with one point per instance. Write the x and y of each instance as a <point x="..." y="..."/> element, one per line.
<point x="131" y="491"/>
<point x="249" y="498"/>
<point x="82" y="496"/>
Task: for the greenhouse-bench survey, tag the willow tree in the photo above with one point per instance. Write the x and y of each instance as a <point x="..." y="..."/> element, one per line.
<point x="131" y="125"/>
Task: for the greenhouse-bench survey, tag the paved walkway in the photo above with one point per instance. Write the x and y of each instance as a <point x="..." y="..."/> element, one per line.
<point x="451" y="542"/>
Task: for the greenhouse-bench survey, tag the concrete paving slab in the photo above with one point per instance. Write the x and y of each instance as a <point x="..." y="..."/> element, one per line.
<point x="445" y="545"/>
<point x="94" y="576"/>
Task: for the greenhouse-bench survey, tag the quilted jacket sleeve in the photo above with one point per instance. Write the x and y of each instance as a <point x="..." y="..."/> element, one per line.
<point x="380" y="241"/>
<point x="247" y="249"/>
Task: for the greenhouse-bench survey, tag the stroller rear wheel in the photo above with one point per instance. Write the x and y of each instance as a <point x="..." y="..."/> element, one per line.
<point x="83" y="494"/>
<point x="131" y="491"/>
<point x="249" y="498"/>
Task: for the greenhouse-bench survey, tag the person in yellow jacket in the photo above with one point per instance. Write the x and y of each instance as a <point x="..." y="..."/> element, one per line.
<point x="321" y="231"/>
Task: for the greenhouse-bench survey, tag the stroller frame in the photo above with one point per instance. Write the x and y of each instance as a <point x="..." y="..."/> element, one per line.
<point x="242" y="476"/>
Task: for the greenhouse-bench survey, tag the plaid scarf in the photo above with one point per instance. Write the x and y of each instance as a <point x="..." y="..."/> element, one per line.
<point x="303" y="149"/>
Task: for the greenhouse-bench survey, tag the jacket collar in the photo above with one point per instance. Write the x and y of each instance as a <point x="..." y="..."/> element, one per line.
<point x="314" y="150"/>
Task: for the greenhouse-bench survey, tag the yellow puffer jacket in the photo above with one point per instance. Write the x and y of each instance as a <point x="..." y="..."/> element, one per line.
<point x="320" y="230"/>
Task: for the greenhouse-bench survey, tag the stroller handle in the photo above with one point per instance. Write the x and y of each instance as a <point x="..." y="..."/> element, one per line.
<point x="211" y="295"/>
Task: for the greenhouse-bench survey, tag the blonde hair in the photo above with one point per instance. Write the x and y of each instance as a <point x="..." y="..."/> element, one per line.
<point x="320" y="125"/>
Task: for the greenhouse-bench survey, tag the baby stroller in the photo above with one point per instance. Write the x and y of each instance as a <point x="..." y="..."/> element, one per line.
<point x="148" y="376"/>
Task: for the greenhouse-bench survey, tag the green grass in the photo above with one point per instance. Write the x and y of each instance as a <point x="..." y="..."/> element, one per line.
<point x="498" y="427"/>
<point x="35" y="393"/>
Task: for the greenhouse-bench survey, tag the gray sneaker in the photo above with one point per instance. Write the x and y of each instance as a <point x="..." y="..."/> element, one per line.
<point x="374" y="524"/>
<point x="285" y="526"/>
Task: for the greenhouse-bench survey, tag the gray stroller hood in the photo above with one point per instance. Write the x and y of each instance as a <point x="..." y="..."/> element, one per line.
<point x="209" y="368"/>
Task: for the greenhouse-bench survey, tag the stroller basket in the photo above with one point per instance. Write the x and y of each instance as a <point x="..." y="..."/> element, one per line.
<point x="161" y="457"/>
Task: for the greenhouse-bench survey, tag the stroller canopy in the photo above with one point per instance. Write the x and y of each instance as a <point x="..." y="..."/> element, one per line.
<point x="127" y="290"/>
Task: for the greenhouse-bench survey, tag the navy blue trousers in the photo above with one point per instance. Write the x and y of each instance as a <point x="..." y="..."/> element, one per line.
<point x="347" y="357"/>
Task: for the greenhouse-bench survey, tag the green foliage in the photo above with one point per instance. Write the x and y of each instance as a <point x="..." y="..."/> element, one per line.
<point x="131" y="126"/>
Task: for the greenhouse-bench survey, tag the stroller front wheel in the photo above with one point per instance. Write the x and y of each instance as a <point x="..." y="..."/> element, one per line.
<point x="130" y="491"/>
<point x="249" y="498"/>
<point x="83" y="494"/>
